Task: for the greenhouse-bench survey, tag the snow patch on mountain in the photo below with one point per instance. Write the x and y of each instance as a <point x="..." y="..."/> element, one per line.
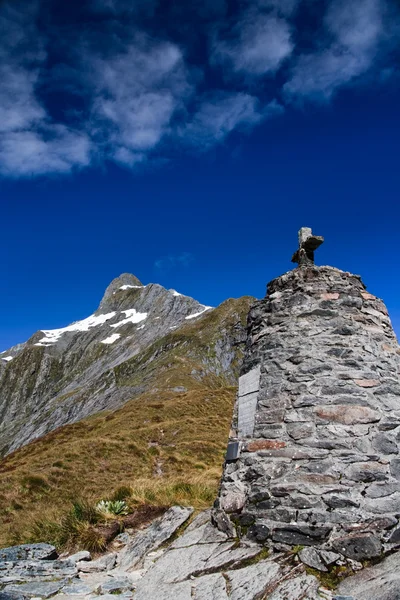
<point x="113" y="338"/>
<point x="7" y="358"/>
<point x="127" y="287"/>
<point x="53" y="335"/>
<point x="199" y="313"/>
<point x="132" y="316"/>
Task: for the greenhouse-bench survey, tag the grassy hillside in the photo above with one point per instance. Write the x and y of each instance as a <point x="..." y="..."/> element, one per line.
<point x="166" y="445"/>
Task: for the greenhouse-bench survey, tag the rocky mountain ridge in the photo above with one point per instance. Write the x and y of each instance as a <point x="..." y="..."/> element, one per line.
<point x="63" y="375"/>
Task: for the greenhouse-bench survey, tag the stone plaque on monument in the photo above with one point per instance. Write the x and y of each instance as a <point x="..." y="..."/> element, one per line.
<point x="249" y="385"/>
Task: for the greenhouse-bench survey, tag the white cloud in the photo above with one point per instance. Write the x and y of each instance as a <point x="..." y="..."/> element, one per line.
<point x="261" y="42"/>
<point x="30" y="143"/>
<point x="221" y="112"/>
<point x="53" y="150"/>
<point x="357" y="30"/>
<point x="18" y="104"/>
<point x="136" y="94"/>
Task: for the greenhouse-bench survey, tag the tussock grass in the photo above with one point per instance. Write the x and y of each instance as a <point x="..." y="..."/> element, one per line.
<point x="157" y="453"/>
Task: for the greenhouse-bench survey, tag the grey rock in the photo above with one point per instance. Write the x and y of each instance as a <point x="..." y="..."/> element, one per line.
<point x="253" y="581"/>
<point x="296" y="587"/>
<point x="259" y="532"/>
<point x="329" y="558"/>
<point x="386" y="504"/>
<point x="200" y="534"/>
<point x="122" y="596"/>
<point x="104" y="563"/>
<point x="300" y="534"/>
<point x="395" y="537"/>
<point x="209" y="587"/>
<point x="222" y="522"/>
<point x="75" y="588"/>
<point x="384" y="444"/>
<point x="395" y="468"/>
<point x="358" y="546"/>
<point x="35" y="589"/>
<point x="232" y="497"/>
<point x="78" y="556"/>
<point x="379" y="582"/>
<point x="39" y="551"/>
<point x="311" y="558"/>
<point x="378" y="490"/>
<point x="151" y="538"/>
<point x="116" y="586"/>
<point x="339" y="501"/>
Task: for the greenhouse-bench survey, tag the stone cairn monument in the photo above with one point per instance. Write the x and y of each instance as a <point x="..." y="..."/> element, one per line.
<point x="313" y="458"/>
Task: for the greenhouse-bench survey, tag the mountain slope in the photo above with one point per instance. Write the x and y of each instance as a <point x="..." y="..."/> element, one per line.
<point x="171" y="433"/>
<point x="61" y="376"/>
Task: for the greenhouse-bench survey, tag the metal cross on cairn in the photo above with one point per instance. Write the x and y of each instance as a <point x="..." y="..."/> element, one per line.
<point x="308" y="243"/>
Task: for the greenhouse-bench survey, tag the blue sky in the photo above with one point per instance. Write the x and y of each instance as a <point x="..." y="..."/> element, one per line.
<point x="186" y="142"/>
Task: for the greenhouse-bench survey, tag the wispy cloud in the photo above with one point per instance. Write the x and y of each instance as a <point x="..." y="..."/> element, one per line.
<point x="220" y="113"/>
<point x="135" y="96"/>
<point x="166" y="263"/>
<point x="259" y="43"/>
<point x="135" y="89"/>
<point x="356" y="30"/>
<point x="30" y="143"/>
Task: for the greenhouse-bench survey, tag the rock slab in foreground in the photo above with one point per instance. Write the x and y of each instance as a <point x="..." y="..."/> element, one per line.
<point x="380" y="582"/>
<point x="151" y="538"/>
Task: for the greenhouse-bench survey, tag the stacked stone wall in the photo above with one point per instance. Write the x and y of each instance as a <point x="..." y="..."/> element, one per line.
<point x="318" y="418"/>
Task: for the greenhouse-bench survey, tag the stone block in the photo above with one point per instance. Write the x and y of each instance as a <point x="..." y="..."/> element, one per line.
<point x="270" y="431"/>
<point x="395" y="468"/>
<point x="259" y="532"/>
<point x="300" y="430"/>
<point x="233" y="497"/>
<point x="310" y="557"/>
<point x="367" y="472"/>
<point x="348" y="415"/>
<point x="387" y="504"/>
<point x="256" y="445"/>
<point x="339" y="501"/>
<point x="379" y="490"/>
<point x="329" y="296"/>
<point x="264" y="416"/>
<point x="358" y="546"/>
<point x="301" y="534"/>
<point x="367" y="383"/>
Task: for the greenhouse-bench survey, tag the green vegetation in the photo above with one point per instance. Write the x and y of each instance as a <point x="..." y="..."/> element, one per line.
<point x="332" y="578"/>
<point x="112" y="507"/>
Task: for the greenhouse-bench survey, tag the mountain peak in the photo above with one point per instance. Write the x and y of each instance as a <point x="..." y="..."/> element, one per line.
<point x="126" y="280"/>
